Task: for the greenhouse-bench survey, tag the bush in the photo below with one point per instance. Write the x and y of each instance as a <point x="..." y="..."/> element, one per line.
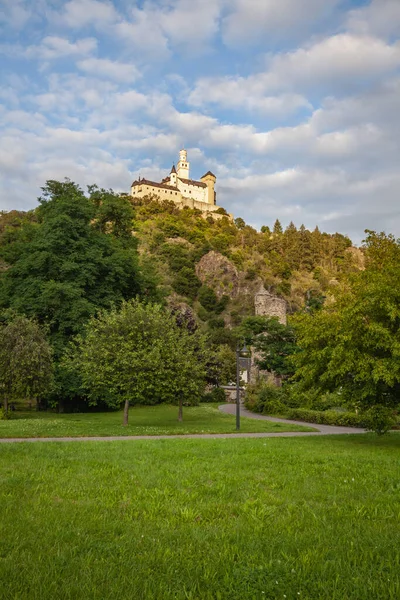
<point x="207" y="298"/>
<point x="379" y="419"/>
<point x="217" y="394"/>
<point x="266" y="398"/>
<point x="327" y="417"/>
<point x="186" y="283"/>
<point x="4" y="416"/>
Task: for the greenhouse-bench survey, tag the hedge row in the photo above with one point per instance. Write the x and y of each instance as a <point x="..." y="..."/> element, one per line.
<point x="327" y="417"/>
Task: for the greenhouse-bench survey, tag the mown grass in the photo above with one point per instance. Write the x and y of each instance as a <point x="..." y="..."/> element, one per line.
<point x="313" y="518"/>
<point x="143" y="420"/>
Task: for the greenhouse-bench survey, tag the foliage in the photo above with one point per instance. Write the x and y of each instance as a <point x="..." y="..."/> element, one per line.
<point x="273" y="342"/>
<point x="138" y="354"/>
<point x="354" y="344"/>
<point x="207" y="298"/>
<point x="379" y="419"/>
<point x="65" y="268"/>
<point x="26" y="361"/>
<point x="216" y="394"/>
<point x="266" y="398"/>
<point x="328" y="417"/>
<point x="221" y="365"/>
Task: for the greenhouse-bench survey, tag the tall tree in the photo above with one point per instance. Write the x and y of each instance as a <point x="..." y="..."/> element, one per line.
<point x="139" y="354"/>
<point x="273" y="342"/>
<point x="354" y="344"/>
<point x="63" y="269"/>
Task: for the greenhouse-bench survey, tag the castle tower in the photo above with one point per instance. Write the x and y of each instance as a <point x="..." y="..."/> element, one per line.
<point x="183" y="165"/>
<point x="172" y="176"/>
<point x="210" y="179"/>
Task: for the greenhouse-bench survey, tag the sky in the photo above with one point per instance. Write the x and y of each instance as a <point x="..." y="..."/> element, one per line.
<point x="293" y="104"/>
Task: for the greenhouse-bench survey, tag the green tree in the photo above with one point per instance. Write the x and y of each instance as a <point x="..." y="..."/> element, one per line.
<point x="273" y="342"/>
<point x="26" y="361"/>
<point x="277" y="227"/>
<point x="354" y="344"/>
<point x="63" y="269"/>
<point x="139" y="354"/>
<point x="207" y="298"/>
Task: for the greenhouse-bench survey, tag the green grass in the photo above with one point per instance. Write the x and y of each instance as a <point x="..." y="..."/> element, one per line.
<point x="144" y="420"/>
<point x="310" y="518"/>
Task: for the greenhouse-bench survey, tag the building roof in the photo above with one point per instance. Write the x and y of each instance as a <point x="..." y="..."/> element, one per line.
<point x="155" y="184"/>
<point x="173" y="170"/>
<point x="192" y="182"/>
<point x="208" y="173"/>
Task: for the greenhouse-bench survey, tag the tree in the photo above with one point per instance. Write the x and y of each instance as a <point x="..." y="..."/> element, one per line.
<point x="61" y="270"/>
<point x="354" y="344"/>
<point x="207" y="298"/>
<point x="277" y="227"/>
<point x="26" y="361"/>
<point x="139" y="354"/>
<point x="273" y="342"/>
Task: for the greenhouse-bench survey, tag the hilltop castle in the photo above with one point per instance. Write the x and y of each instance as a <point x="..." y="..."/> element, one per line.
<point x="179" y="188"/>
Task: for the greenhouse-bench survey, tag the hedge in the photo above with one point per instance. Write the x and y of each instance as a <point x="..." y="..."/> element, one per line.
<point x="327" y="417"/>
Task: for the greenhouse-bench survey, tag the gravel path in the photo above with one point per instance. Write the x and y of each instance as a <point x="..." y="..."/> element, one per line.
<point x="230" y="409"/>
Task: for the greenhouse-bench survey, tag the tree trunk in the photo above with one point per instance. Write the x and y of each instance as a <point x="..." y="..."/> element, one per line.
<point x="6" y="405"/>
<point x="180" y="412"/>
<point x="126" y="412"/>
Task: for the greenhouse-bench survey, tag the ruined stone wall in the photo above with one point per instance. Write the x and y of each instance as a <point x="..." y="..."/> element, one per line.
<point x="268" y="305"/>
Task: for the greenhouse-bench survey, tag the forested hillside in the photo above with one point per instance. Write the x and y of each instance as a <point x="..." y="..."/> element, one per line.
<point x="198" y="257"/>
<point x="78" y="254"/>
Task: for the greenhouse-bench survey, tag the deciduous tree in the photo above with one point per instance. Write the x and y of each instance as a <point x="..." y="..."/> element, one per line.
<point x="139" y="354"/>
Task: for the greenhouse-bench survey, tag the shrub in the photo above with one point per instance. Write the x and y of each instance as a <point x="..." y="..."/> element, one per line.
<point x="222" y="304"/>
<point x="207" y="298"/>
<point x="186" y="283"/>
<point x="379" y="419"/>
<point x="217" y="394"/>
<point x="327" y="417"/>
<point x="266" y="398"/>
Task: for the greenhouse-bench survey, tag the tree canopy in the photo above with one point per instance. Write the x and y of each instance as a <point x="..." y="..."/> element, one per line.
<point x="139" y="354"/>
<point x="353" y="344"/>
<point x="26" y="361"/>
<point x="65" y="267"/>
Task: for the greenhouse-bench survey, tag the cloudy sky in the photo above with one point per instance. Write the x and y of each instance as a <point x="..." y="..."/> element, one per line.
<point x="293" y="104"/>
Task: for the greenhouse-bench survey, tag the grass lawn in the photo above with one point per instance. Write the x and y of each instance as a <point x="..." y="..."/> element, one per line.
<point x="144" y="420"/>
<point x="313" y="518"/>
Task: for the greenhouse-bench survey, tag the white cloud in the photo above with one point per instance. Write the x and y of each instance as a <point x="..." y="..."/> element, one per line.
<point x="250" y="21"/>
<point x="14" y="14"/>
<point x="80" y="13"/>
<point x="54" y="47"/>
<point x="336" y="63"/>
<point x="380" y="17"/>
<point x="143" y="34"/>
<point x="109" y="69"/>
<point x="191" y="23"/>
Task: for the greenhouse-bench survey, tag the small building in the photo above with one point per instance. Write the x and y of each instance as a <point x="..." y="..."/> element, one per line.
<point x="179" y="188"/>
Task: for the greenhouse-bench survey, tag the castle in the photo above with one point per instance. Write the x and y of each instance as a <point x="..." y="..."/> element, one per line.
<point x="179" y="188"/>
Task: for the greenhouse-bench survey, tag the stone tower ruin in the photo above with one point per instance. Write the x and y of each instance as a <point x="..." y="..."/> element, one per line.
<point x="268" y="305"/>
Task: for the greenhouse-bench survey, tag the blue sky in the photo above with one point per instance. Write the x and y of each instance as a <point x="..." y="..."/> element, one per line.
<point x="293" y="104"/>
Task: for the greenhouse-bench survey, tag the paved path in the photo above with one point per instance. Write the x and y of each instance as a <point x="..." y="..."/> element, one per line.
<point x="230" y="409"/>
<point x="226" y="408"/>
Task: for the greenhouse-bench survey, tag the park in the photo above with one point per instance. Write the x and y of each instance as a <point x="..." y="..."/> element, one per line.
<point x="123" y="471"/>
